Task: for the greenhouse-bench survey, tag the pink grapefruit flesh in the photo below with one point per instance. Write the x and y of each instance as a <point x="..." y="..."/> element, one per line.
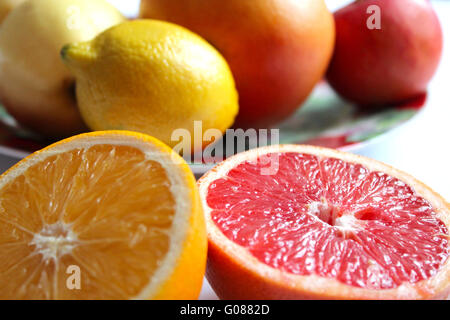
<point x="331" y="218"/>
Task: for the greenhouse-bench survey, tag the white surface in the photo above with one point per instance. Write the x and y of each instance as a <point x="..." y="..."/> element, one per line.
<point x="421" y="147"/>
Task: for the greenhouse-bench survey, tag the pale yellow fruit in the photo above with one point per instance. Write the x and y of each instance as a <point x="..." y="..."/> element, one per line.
<point x="6" y="6"/>
<point x="35" y="86"/>
<point x="153" y="77"/>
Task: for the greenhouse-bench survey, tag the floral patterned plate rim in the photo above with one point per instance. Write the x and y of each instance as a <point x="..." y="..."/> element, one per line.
<point x="324" y="120"/>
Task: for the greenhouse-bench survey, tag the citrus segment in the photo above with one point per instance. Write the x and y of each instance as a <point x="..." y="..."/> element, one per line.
<point x="319" y="214"/>
<point x="114" y="205"/>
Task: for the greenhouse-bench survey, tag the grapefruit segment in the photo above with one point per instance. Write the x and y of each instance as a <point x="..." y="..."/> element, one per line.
<point x="349" y="223"/>
<point x="119" y="206"/>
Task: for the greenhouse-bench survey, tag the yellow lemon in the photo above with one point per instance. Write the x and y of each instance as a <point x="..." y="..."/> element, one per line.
<point x="6" y="6"/>
<point x="102" y="215"/>
<point x="153" y="77"/>
<point x="35" y="86"/>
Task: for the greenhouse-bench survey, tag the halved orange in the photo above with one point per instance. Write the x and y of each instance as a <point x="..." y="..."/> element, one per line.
<point x="103" y="215"/>
<point x="301" y="222"/>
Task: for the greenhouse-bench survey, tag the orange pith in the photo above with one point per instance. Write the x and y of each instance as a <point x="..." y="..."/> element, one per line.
<point x="107" y="205"/>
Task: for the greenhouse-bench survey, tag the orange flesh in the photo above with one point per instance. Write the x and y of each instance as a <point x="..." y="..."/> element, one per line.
<point x="105" y="209"/>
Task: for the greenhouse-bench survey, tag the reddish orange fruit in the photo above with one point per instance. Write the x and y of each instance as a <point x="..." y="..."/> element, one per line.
<point x="300" y="222"/>
<point x="277" y="50"/>
<point x="374" y="67"/>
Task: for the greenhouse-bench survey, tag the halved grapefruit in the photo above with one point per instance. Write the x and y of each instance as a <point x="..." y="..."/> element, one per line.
<point x="301" y="222"/>
<point x="103" y="215"/>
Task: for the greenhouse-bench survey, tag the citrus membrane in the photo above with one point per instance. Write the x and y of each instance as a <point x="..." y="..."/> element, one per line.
<point x="319" y="215"/>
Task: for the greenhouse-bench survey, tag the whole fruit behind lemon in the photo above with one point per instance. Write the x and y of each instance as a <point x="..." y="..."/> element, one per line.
<point x="153" y="77"/>
<point x="35" y="86"/>
<point x="378" y="67"/>
<point x="277" y="49"/>
<point x="6" y="6"/>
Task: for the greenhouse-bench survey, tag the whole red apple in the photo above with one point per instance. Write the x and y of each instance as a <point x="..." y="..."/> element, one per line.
<point x="386" y="61"/>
